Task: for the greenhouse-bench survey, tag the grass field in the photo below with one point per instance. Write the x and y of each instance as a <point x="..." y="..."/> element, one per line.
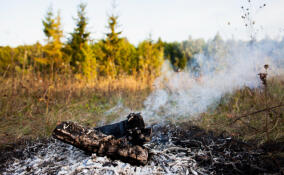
<point x="31" y="106"/>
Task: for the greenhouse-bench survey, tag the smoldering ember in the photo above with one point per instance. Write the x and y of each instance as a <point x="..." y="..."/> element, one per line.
<point x="128" y="147"/>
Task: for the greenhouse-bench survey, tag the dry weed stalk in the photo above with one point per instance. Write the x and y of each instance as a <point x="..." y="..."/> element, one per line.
<point x="269" y="124"/>
<point x="263" y="78"/>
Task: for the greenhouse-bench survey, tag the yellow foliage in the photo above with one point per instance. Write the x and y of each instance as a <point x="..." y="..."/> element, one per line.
<point x="43" y="61"/>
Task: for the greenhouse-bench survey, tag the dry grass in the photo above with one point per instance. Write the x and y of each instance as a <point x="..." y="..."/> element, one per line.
<point x="245" y="101"/>
<point x="31" y="106"/>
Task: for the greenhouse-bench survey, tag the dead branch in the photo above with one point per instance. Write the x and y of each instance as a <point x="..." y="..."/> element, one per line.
<point x="256" y="112"/>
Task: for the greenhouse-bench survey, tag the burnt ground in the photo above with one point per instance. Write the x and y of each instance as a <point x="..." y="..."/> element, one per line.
<point x="223" y="154"/>
<point x="173" y="150"/>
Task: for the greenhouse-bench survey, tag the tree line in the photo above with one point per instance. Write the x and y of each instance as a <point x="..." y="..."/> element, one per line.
<point x="112" y="56"/>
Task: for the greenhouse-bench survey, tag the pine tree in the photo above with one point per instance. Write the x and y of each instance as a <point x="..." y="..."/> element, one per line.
<point x="128" y="58"/>
<point x="89" y="64"/>
<point x="48" y="23"/>
<point x="112" y="60"/>
<point x="82" y="57"/>
<point x="150" y="57"/>
<point x="175" y="54"/>
<point x="52" y="50"/>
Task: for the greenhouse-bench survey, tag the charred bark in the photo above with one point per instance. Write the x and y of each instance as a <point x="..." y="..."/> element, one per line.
<point x="122" y="140"/>
<point x="133" y="129"/>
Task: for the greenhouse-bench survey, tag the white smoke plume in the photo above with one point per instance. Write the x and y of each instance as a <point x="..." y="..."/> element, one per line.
<point x="229" y="66"/>
<point x="185" y="94"/>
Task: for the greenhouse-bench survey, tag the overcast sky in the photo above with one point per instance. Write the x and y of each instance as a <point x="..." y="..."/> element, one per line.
<point x="172" y="20"/>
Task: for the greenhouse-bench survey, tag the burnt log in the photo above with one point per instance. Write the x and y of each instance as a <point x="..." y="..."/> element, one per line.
<point x="125" y="145"/>
<point x="133" y="129"/>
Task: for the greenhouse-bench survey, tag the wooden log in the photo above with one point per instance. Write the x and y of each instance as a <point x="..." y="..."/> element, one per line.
<point x="133" y="129"/>
<point x="94" y="141"/>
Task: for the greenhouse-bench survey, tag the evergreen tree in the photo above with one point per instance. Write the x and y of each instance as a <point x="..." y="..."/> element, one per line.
<point x="79" y="39"/>
<point x="52" y="50"/>
<point x="128" y="58"/>
<point x="112" y="60"/>
<point x="82" y="58"/>
<point x="89" y="63"/>
<point x="216" y="50"/>
<point x="48" y="23"/>
<point x="6" y="58"/>
<point x="150" y="57"/>
<point x="216" y="47"/>
<point x="176" y="55"/>
<point x="122" y="60"/>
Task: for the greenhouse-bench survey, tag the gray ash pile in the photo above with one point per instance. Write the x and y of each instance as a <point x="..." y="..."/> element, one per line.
<point x="173" y="150"/>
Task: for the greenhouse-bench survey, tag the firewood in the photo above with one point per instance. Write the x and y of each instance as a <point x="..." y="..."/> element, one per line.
<point x="123" y="140"/>
<point x="133" y="129"/>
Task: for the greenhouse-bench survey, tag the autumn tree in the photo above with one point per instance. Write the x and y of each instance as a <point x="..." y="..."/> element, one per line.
<point x="127" y="62"/>
<point x="150" y="57"/>
<point x="53" y="32"/>
<point x="6" y="58"/>
<point x="110" y="48"/>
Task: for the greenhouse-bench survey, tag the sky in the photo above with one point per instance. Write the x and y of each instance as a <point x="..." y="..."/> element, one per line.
<point x="172" y="20"/>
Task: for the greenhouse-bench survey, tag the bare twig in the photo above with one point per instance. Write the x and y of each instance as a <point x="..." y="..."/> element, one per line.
<point x="249" y="126"/>
<point x="256" y="112"/>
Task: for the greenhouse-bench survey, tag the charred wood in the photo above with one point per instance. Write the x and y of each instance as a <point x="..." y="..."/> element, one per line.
<point x="123" y="140"/>
<point x="133" y="129"/>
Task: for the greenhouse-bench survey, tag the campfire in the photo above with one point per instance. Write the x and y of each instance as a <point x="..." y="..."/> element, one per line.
<point x="128" y="147"/>
<point x="123" y="140"/>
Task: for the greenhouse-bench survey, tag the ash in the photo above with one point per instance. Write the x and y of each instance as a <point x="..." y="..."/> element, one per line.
<point x="172" y="151"/>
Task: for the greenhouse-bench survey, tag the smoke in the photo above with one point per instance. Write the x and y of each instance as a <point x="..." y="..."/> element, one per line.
<point x="222" y="69"/>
